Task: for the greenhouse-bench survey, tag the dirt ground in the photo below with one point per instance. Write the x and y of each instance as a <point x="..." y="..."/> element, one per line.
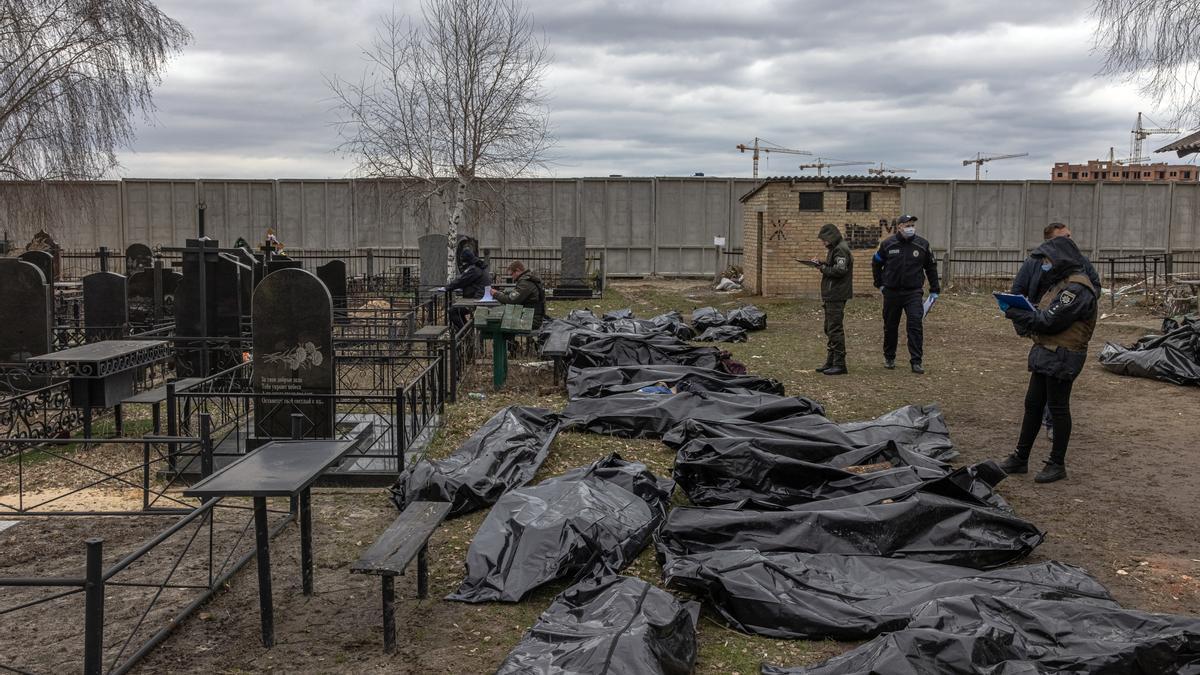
<point x="1127" y="513"/>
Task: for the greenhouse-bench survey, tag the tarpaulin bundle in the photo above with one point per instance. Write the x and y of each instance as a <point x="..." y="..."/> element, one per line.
<point x="987" y="635"/>
<point x="1172" y="322"/>
<point x="628" y="350"/>
<point x="1173" y="357"/>
<point x="921" y="429"/>
<point x="776" y="473"/>
<point x="618" y="314"/>
<point x="722" y="334"/>
<point x="673" y="323"/>
<point x="707" y="317"/>
<point x="597" y="382"/>
<point x="609" y="626"/>
<point x="503" y="454"/>
<point x="639" y="415"/>
<point x="748" y="317"/>
<point x="955" y="520"/>
<point x="829" y="596"/>
<point x="587" y="522"/>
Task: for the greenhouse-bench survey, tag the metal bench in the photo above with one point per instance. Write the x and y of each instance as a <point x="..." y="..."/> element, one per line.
<point x="406" y="538"/>
<point x="155" y="397"/>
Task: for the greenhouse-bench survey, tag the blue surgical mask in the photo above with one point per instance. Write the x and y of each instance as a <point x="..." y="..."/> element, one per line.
<point x="1046" y="267"/>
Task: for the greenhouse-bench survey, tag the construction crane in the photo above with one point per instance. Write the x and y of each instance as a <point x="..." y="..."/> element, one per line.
<point x="821" y="164"/>
<point x="980" y="158"/>
<point x="763" y="145"/>
<point x="1140" y="134"/>
<point x="883" y="170"/>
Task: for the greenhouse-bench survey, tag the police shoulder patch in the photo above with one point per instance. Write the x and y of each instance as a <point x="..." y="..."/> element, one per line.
<point x="1066" y="298"/>
<point x="916" y="253"/>
<point x="839" y="262"/>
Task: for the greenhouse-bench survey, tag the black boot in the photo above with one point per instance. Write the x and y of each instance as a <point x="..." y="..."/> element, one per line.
<point x="1050" y="473"/>
<point x="1014" y="463"/>
<point x="890" y="364"/>
<point x="836" y="370"/>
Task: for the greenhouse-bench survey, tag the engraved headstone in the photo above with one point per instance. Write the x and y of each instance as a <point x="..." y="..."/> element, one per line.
<point x="141" y="295"/>
<point x="293" y="355"/>
<point x="25" y="311"/>
<point x="105" y="306"/>
<point x="138" y="257"/>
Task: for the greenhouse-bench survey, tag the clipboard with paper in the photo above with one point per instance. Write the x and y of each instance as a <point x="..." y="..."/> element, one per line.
<point x="1006" y="300"/>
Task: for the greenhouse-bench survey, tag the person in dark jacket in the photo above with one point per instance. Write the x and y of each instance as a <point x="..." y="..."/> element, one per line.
<point x="1060" y="328"/>
<point x="837" y="286"/>
<point x="527" y="290"/>
<point x="1028" y="282"/>
<point x="1029" y="276"/>
<point x="472" y="278"/>
<point x="900" y="267"/>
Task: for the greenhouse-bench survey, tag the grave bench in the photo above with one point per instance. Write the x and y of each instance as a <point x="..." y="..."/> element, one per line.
<point x="155" y="397"/>
<point x="406" y="538"/>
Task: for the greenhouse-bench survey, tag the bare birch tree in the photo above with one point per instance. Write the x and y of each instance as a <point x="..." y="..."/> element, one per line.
<point x="1155" y="43"/>
<point x="447" y="100"/>
<point x="73" y="73"/>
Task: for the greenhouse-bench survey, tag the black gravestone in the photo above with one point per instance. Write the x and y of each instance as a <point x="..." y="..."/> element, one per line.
<point x="293" y="355"/>
<point x="433" y="261"/>
<point x="209" y="311"/>
<point x="141" y="295"/>
<point x="44" y="261"/>
<point x="26" y="302"/>
<point x="138" y="257"/>
<point x="333" y="275"/>
<point x="573" y="262"/>
<point x="105" y="306"/>
<point x="282" y="262"/>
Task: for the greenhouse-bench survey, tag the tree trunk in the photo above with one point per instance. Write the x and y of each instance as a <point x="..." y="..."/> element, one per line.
<point x="454" y="222"/>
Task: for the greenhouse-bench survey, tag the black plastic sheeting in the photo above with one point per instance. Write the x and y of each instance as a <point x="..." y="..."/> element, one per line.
<point x="1173" y="357"/>
<point x="985" y="635"/>
<point x="613" y="625"/>
<point x="647" y="350"/>
<point x="617" y="314"/>
<point x="599" y="382"/>
<point x="707" y="317"/>
<point x="638" y="415"/>
<point x="672" y="322"/>
<point x="722" y="334"/>
<point x="588" y="522"/>
<point x="774" y="473"/>
<point x="503" y="454"/>
<point x="828" y="596"/>
<point x="954" y="520"/>
<point x="921" y="429"/>
<point x="748" y="317"/>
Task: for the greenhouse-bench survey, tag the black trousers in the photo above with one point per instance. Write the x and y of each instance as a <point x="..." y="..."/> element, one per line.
<point x="835" y="334"/>
<point x="909" y="302"/>
<point x="1046" y="392"/>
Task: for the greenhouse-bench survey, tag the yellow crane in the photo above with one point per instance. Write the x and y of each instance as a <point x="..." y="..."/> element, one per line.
<point x="763" y="145"/>
<point x="980" y="158"/>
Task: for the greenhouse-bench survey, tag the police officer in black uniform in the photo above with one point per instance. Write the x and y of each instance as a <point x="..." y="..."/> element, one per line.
<point x="900" y="267"/>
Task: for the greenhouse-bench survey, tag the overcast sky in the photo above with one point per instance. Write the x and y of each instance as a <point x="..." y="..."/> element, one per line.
<point x="644" y="88"/>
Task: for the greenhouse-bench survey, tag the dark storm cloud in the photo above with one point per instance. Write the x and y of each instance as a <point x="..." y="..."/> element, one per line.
<point x="669" y="88"/>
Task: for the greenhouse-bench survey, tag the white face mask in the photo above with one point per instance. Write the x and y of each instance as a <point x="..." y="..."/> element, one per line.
<point x="909" y="232"/>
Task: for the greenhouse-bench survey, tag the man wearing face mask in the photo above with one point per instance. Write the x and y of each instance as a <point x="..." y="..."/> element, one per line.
<point x="900" y="267"/>
<point x="1060" y="329"/>
<point x="837" y="286"/>
<point x="472" y="278"/>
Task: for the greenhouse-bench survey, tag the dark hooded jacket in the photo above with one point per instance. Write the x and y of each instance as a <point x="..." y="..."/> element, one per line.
<point x="837" y="274"/>
<point x="1028" y="281"/>
<point x="529" y="291"/>
<point x="1065" y="317"/>
<point x="473" y="277"/>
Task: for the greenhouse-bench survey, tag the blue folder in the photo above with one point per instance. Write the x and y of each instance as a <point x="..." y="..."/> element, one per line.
<point x="1006" y="300"/>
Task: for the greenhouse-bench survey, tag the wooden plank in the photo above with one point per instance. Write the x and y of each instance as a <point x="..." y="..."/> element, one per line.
<point x="404" y="538"/>
<point x="430" y="332"/>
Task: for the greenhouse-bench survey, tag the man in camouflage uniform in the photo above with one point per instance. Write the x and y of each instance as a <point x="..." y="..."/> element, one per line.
<point x="837" y="286"/>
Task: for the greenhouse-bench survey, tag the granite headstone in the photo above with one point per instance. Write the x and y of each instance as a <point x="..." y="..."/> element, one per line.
<point x="26" y="313"/>
<point x="105" y="306"/>
<point x="574" y="268"/>
<point x="44" y="261"/>
<point x="141" y="295"/>
<point x="433" y="261"/>
<point x="293" y="355"/>
<point x="138" y="257"/>
<point x="333" y="275"/>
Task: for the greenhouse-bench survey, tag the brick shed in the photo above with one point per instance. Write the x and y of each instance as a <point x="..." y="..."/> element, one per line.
<point x="783" y="215"/>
